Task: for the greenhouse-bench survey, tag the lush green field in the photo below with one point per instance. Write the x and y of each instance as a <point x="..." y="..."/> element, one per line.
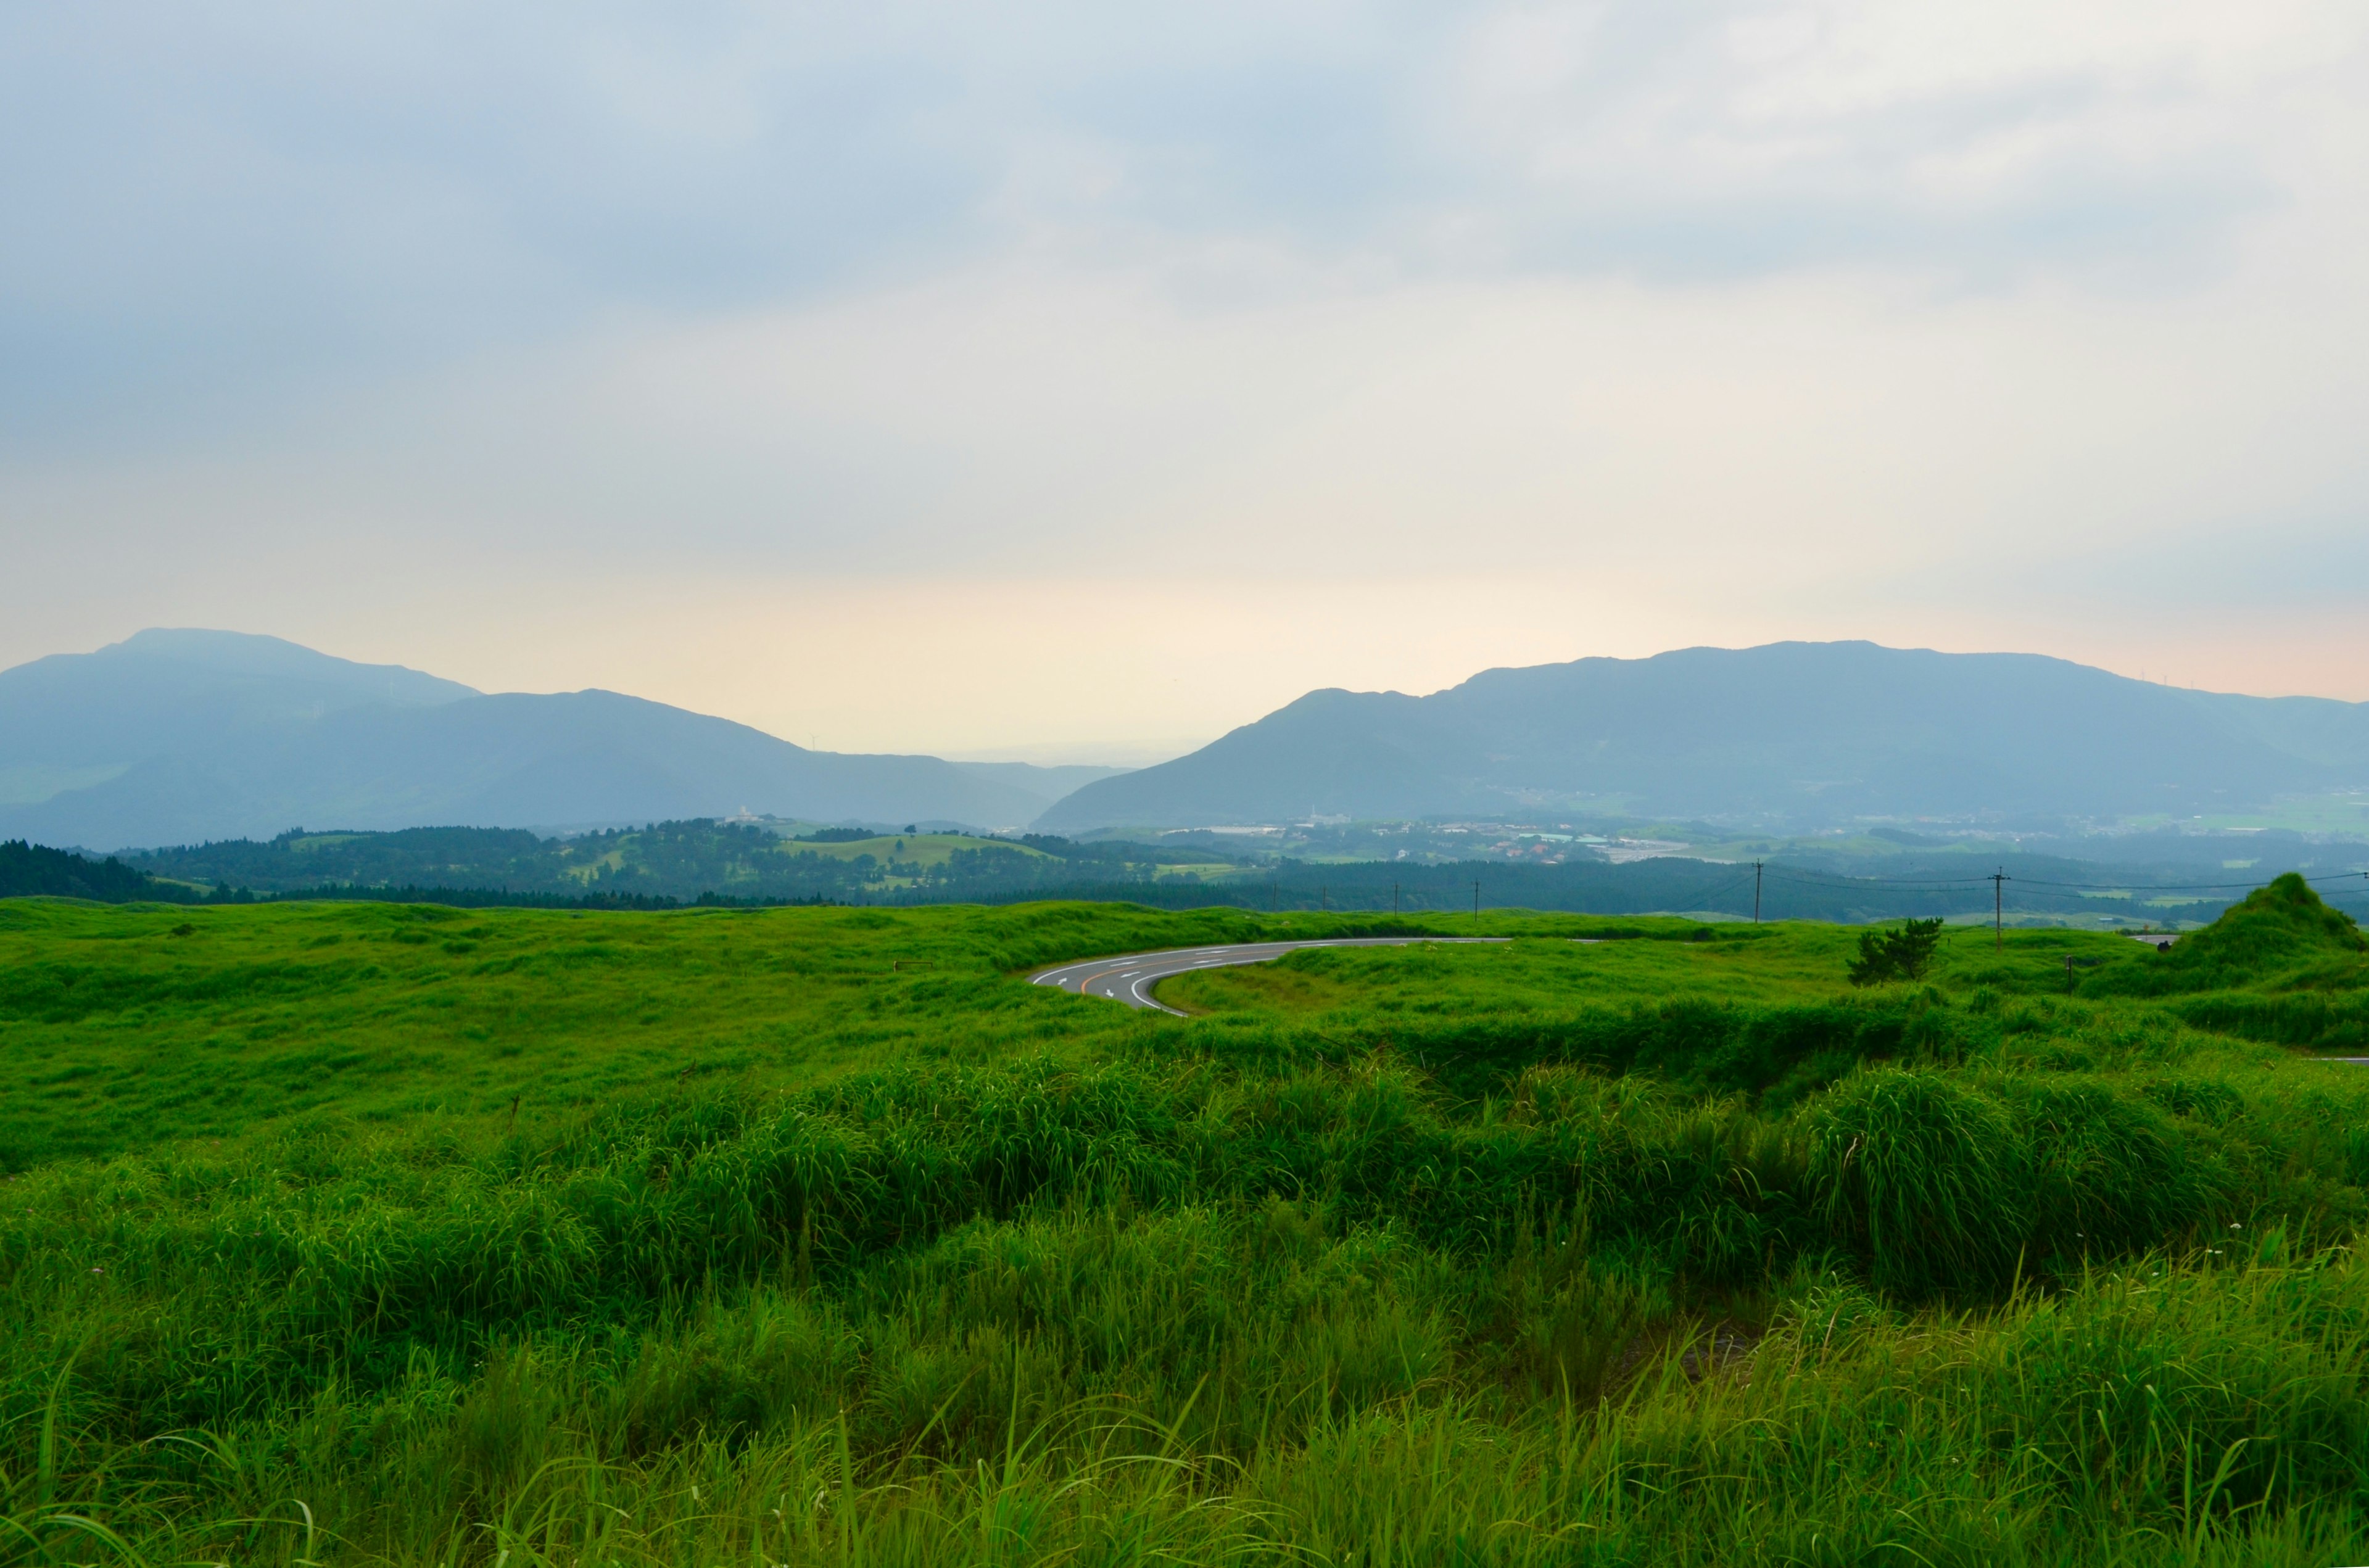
<point x="208" y="1023"/>
<point x="350" y="1233"/>
<point x="736" y="861"/>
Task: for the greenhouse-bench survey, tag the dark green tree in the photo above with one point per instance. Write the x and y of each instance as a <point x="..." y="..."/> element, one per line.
<point x="1899" y="954"/>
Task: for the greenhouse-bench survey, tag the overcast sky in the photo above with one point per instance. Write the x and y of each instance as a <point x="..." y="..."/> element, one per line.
<point x="1078" y="381"/>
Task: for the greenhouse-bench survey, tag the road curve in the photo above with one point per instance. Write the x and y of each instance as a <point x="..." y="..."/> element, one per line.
<point x="1129" y="976"/>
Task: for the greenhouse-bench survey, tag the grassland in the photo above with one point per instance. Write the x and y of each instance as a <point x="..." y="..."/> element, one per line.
<point x="361" y="1233"/>
<point x="2342" y="811"/>
<point x="917" y="849"/>
<point x="734" y="861"/>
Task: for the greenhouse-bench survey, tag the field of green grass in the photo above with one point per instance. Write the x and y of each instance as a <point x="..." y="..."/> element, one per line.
<point x="911" y="856"/>
<point x="697" y="859"/>
<point x="354" y="1233"/>
<point x="917" y="849"/>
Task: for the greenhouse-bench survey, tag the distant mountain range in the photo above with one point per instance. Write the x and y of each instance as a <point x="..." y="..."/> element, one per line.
<point x="1792" y="735"/>
<point x="179" y="737"/>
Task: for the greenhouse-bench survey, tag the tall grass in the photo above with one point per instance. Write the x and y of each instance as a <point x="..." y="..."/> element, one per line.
<point x="1645" y="1256"/>
<point x="2160" y="1412"/>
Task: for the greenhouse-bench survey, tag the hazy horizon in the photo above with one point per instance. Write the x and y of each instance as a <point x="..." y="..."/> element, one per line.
<point x="1118" y="754"/>
<point x="1069" y="384"/>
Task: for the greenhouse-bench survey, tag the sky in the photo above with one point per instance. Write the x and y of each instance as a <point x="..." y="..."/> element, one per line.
<point x="1075" y="383"/>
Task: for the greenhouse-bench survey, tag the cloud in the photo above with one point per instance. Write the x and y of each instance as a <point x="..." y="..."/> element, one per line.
<point x="208" y="204"/>
<point x="1703" y="142"/>
<point x="1731" y="318"/>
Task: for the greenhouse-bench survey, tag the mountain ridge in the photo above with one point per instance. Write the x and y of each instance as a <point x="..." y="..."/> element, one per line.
<point x="177" y="736"/>
<point x="1795" y="733"/>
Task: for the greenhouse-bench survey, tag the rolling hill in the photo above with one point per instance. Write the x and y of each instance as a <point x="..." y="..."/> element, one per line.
<point x="1791" y="734"/>
<point x="178" y="736"/>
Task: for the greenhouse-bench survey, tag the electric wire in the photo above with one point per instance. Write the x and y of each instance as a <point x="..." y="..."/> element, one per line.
<point x="1940" y="884"/>
<point x="1837" y="883"/>
<point x="1839" y="879"/>
<point x="2177" y="886"/>
<point x="1871" y="885"/>
<point x="1701" y="899"/>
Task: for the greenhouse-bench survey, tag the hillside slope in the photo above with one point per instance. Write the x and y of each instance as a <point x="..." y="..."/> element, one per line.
<point x="179" y="737"/>
<point x="1793" y="733"/>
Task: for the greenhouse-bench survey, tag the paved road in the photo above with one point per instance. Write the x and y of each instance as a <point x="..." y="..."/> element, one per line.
<point x="1129" y="976"/>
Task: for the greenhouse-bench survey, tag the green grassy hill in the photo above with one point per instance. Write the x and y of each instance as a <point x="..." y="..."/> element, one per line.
<point x="680" y="860"/>
<point x="374" y="1233"/>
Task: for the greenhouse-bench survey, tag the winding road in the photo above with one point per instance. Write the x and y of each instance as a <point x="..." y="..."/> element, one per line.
<point x="1129" y="976"/>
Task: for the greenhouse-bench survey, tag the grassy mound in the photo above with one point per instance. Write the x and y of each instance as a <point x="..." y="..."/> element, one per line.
<point x="2279" y="966"/>
<point x="2271" y="935"/>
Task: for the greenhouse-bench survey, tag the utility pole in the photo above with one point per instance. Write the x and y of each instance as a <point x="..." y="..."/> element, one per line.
<point x="1323" y="899"/>
<point x="1998" y="909"/>
<point x="1755" y="892"/>
<point x="1476" y="900"/>
<point x="1394" y="898"/>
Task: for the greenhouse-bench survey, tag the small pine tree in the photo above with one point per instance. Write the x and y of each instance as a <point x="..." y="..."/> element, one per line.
<point x="1896" y="955"/>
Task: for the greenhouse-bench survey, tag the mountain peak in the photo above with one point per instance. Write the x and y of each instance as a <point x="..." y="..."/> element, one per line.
<point x="184" y="734"/>
<point x="1792" y="734"/>
<point x="254" y="655"/>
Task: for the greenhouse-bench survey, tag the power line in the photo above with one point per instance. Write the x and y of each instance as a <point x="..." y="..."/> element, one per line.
<point x="1944" y="885"/>
<point x="1701" y="898"/>
<point x="1969" y="886"/>
<point x="1840" y="879"/>
<point x="2181" y="886"/>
